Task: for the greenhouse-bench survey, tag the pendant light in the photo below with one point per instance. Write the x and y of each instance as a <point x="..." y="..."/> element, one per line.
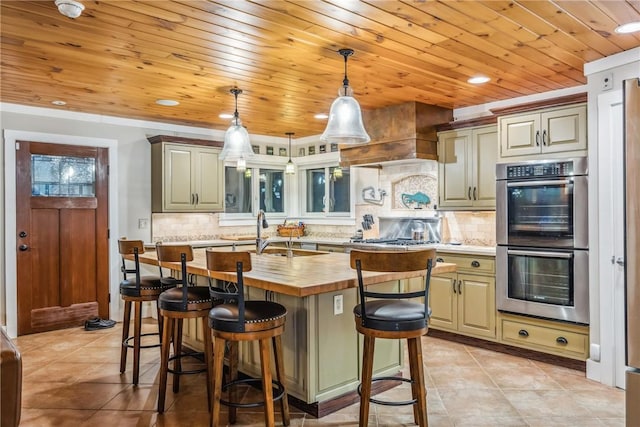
<point x="345" y="118"/>
<point x="290" y="169"/>
<point x="237" y="147"/>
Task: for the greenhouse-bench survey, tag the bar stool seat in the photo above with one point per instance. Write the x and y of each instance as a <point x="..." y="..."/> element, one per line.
<point x="238" y="320"/>
<point x="136" y="291"/>
<point x="393" y="315"/>
<point x="198" y="298"/>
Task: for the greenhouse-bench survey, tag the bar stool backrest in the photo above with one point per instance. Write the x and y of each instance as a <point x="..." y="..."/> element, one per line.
<point x="168" y="255"/>
<point x="393" y="261"/>
<point x="135" y="248"/>
<point x="230" y="262"/>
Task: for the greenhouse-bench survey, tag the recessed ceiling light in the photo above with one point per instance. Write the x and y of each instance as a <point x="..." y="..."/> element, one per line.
<point x="476" y="80"/>
<point x="321" y="116"/>
<point x="225" y="116"/>
<point x="167" y="102"/>
<point x="630" y="27"/>
<point x="58" y="102"/>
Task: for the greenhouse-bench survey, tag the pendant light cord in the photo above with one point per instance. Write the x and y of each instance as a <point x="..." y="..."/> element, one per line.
<point x="346" y="53"/>
<point x="235" y="91"/>
<point x="289" y="134"/>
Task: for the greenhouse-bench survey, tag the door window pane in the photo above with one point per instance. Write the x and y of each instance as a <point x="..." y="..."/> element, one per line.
<point x="237" y="198"/>
<point x="271" y="190"/>
<point x="62" y="176"/>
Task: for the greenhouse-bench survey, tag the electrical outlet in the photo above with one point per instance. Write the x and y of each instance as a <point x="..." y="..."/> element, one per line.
<point x="143" y="223"/>
<point x="607" y="81"/>
<point x="337" y="304"/>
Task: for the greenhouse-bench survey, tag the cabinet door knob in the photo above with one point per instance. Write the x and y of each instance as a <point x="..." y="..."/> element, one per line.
<point x="439" y="259"/>
<point x="523" y="333"/>
<point x="562" y="341"/>
<point x="23" y="247"/>
<point x="475" y="264"/>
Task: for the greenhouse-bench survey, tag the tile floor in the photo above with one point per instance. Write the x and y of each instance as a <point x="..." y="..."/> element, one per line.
<point x="72" y="378"/>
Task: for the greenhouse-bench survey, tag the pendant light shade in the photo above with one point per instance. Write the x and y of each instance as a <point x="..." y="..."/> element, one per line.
<point x="345" y="117"/>
<point x="290" y="169"/>
<point x="237" y="147"/>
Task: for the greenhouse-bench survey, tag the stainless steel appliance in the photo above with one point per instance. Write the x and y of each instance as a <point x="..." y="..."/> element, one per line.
<point x="632" y="248"/>
<point x="542" y="257"/>
<point x="401" y="234"/>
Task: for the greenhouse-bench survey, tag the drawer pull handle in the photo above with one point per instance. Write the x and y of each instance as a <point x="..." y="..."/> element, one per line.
<point x="460" y="287"/>
<point x="562" y="341"/>
<point x="454" y="286"/>
<point x="475" y="264"/>
<point x="523" y="333"/>
<point x="439" y="259"/>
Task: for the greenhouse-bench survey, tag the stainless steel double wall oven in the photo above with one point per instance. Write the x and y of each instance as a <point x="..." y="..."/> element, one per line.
<point x="542" y="257"/>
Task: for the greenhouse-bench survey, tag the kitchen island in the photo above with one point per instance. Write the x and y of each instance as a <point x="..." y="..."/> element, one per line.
<point x="322" y="350"/>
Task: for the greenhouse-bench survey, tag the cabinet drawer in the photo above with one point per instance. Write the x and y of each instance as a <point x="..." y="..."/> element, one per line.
<point x="468" y="263"/>
<point x="555" y="340"/>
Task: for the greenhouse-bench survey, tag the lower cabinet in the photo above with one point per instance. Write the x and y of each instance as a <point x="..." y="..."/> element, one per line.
<point x="562" y="339"/>
<point x="464" y="302"/>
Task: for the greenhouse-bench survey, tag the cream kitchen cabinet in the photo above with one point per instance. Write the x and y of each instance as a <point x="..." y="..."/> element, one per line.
<point x="548" y="336"/>
<point x="186" y="178"/>
<point x="466" y="163"/>
<point x="464" y="302"/>
<point x="538" y="134"/>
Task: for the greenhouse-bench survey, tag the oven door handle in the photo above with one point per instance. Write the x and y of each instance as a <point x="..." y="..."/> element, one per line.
<point x="530" y="183"/>
<point x="540" y="254"/>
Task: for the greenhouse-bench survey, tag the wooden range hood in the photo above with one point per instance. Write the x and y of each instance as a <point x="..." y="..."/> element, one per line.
<point x="398" y="133"/>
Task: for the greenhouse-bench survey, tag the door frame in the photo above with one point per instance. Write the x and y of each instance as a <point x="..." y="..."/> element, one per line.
<point x="10" y="250"/>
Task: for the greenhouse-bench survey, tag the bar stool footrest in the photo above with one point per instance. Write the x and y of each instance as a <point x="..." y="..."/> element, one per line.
<point x="158" y="344"/>
<point x="386" y="402"/>
<point x="196" y="355"/>
<point x="278" y="392"/>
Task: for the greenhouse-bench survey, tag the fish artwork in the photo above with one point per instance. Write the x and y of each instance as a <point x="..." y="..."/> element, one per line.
<point x="419" y="199"/>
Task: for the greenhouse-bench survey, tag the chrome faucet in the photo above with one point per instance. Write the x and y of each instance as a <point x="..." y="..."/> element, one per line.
<point x="261" y="223"/>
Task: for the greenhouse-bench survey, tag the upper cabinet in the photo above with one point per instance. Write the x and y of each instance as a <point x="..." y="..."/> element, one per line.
<point x="467" y="163"/>
<point x="537" y="134"/>
<point x="186" y="178"/>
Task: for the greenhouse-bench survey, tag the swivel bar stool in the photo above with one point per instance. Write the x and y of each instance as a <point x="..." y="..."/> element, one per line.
<point x="238" y="320"/>
<point x="177" y="304"/>
<point x="393" y="316"/>
<point x="137" y="290"/>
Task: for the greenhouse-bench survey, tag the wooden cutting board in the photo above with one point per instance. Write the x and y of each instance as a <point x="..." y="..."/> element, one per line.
<point x="239" y="237"/>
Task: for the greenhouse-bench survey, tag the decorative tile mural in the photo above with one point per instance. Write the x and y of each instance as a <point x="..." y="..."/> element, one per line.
<point x="415" y="192"/>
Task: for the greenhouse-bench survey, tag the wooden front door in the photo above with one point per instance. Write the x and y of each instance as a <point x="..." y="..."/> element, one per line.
<point x="62" y="243"/>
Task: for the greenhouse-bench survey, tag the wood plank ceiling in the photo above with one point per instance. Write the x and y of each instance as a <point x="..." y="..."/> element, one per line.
<point x="119" y="57"/>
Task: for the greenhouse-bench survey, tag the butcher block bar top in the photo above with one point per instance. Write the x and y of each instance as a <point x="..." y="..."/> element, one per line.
<point x="305" y="273"/>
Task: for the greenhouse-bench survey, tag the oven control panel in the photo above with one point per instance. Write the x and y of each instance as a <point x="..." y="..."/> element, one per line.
<point x="561" y="168"/>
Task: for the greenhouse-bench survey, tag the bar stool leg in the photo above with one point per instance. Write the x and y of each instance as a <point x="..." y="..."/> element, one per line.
<point x="267" y="386"/>
<point x="218" y="366"/>
<point x="233" y="375"/>
<point x="177" y="351"/>
<point x="367" y="376"/>
<point x="208" y="360"/>
<point x="137" y="336"/>
<point x="417" y="385"/>
<point x="284" y="402"/>
<point x="125" y="334"/>
<point x="164" y="361"/>
<point x="159" y="321"/>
